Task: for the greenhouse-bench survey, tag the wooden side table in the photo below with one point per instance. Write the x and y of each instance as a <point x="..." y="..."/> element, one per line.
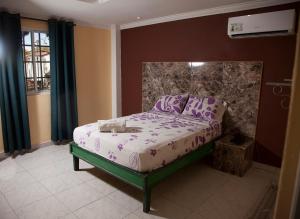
<point x="232" y="158"/>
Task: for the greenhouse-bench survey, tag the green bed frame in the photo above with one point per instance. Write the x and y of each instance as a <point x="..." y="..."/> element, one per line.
<point x="144" y="181"/>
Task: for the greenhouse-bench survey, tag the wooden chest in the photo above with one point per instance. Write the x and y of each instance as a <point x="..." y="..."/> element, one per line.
<point x="232" y="158"/>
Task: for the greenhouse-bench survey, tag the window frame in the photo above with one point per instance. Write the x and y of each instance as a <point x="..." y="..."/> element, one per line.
<point x="36" y="91"/>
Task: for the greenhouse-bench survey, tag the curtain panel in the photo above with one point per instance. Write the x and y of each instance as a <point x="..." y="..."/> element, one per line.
<point x="13" y="98"/>
<point x="64" y="117"/>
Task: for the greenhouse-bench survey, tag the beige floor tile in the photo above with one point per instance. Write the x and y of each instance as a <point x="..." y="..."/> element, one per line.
<point x="60" y="155"/>
<point x="219" y="208"/>
<point x="129" y="198"/>
<point x="197" y="191"/>
<point x="12" y="182"/>
<point x="163" y="208"/>
<point x="86" y="175"/>
<point x="49" y="149"/>
<point x="69" y="216"/>
<point x="65" y="147"/>
<point x="190" y="190"/>
<point x="258" y="176"/>
<point x="4" y="206"/>
<point x="8" y="215"/>
<point x="45" y="171"/>
<point x="25" y="195"/>
<point x="78" y="196"/>
<point x="46" y="208"/>
<point x="131" y="216"/>
<point x="102" y="186"/>
<point x="198" y="216"/>
<point x="39" y="155"/>
<point x="242" y="195"/>
<point x="265" y="167"/>
<point x="27" y="155"/>
<point x="61" y="182"/>
<point x="235" y="199"/>
<point x="85" y="165"/>
<point x="65" y="164"/>
<point x="35" y="162"/>
<point x="9" y="167"/>
<point x="104" y="208"/>
<point x="38" y="152"/>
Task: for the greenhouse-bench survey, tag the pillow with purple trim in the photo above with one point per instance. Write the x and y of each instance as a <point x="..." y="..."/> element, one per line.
<point x="207" y="108"/>
<point x="193" y="107"/>
<point x="159" y="105"/>
<point x="213" y="109"/>
<point x="173" y="104"/>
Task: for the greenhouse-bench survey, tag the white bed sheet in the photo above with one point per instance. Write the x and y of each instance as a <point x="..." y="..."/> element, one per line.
<point x="152" y="139"/>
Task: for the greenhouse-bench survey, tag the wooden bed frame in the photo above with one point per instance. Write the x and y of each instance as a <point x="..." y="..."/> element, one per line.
<point x="144" y="181"/>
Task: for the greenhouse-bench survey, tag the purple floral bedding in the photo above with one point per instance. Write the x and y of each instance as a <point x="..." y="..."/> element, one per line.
<point x="152" y="139"/>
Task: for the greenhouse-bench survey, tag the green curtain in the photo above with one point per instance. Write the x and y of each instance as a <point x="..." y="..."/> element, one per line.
<point x="63" y="81"/>
<point x="13" y="98"/>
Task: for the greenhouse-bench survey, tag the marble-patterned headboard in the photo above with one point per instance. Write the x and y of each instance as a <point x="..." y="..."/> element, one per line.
<point x="236" y="82"/>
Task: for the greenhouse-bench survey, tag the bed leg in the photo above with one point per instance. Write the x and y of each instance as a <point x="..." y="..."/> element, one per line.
<point x="147" y="199"/>
<point x="75" y="163"/>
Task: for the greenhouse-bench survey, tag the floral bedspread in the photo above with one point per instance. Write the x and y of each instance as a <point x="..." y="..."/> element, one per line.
<point x="152" y="139"/>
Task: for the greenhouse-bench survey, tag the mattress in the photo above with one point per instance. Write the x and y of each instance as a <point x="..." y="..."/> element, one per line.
<point x="152" y="139"/>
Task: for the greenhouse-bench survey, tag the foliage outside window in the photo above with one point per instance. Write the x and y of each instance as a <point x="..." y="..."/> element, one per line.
<point x="36" y="56"/>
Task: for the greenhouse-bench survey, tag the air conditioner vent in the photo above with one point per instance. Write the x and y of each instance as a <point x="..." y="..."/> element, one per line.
<point x="265" y="24"/>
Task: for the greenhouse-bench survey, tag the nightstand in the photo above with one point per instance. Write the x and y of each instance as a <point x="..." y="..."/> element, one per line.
<point x="232" y="158"/>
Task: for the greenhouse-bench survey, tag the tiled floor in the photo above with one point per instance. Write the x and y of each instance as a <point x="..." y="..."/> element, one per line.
<point x="42" y="184"/>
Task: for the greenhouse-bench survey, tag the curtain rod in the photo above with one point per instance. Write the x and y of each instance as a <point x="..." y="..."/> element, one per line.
<point x="38" y="19"/>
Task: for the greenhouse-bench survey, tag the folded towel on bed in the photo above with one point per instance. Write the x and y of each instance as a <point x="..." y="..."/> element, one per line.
<point x="112" y="125"/>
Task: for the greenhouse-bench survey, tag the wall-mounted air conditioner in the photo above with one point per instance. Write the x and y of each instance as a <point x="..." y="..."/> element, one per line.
<point x="265" y="24"/>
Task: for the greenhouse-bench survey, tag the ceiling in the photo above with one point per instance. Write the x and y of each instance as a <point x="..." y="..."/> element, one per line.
<point x="102" y="13"/>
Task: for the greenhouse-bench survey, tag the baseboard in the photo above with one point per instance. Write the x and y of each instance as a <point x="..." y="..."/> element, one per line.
<point x="265" y="207"/>
<point x="266" y="167"/>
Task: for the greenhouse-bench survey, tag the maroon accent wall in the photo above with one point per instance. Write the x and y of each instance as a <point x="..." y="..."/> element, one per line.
<point x="205" y="39"/>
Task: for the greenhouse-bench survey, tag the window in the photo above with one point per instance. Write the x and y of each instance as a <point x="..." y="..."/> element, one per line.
<point x="36" y="56"/>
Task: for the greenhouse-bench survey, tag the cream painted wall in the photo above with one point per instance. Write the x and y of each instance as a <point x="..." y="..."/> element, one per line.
<point x="34" y="25"/>
<point x="292" y="145"/>
<point x="93" y="73"/>
<point x="39" y="118"/>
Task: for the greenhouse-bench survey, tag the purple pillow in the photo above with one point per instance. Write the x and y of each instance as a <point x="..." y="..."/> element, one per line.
<point x="173" y="104"/>
<point x="193" y="107"/>
<point x="213" y="109"/>
<point x="207" y="108"/>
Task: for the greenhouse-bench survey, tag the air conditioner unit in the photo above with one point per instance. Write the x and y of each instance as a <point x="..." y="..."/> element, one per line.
<point x="265" y="24"/>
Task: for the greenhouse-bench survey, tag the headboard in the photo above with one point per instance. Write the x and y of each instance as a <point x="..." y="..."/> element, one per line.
<point x="236" y="82"/>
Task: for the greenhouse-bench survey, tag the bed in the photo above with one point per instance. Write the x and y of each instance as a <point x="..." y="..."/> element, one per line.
<point x="154" y="145"/>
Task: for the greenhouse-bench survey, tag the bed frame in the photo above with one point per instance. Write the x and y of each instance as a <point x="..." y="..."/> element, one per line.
<point x="144" y="181"/>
